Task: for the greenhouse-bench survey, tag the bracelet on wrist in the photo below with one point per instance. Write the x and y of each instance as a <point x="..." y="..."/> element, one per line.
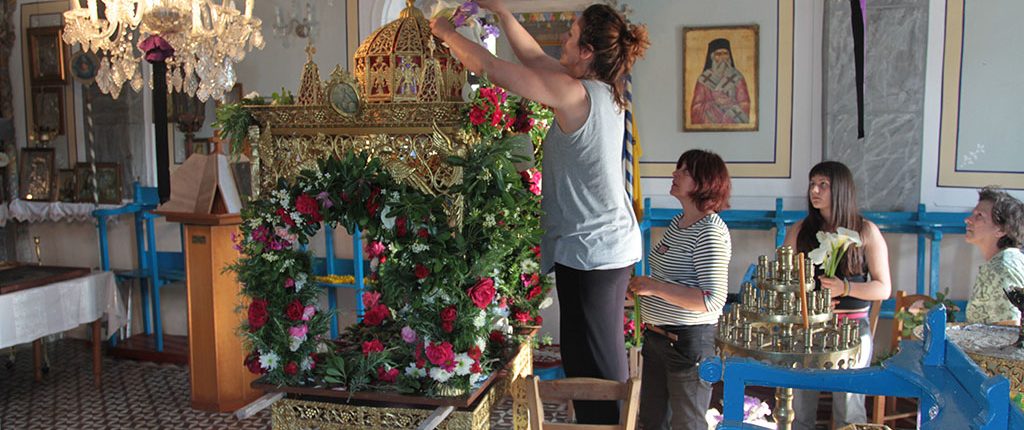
<point x="846" y="288"/>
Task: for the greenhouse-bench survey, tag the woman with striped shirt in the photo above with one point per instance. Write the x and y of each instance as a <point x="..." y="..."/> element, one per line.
<point x="682" y="299"/>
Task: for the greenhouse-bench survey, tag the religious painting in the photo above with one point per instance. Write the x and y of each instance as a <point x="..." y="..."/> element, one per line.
<point x="46" y="54"/>
<point x="66" y="185"/>
<point x="37" y="174"/>
<point x="720" y="78"/>
<point x="980" y="133"/>
<point x="48" y="112"/>
<point x="104" y="188"/>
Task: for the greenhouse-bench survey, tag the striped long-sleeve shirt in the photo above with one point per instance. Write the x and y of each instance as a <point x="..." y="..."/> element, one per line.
<point x="697" y="256"/>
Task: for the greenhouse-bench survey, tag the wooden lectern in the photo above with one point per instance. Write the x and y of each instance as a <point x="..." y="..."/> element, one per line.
<point x="220" y="380"/>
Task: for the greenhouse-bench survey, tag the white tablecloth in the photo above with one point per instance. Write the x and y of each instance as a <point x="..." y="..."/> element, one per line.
<point x="33" y="313"/>
<point x="29" y="211"/>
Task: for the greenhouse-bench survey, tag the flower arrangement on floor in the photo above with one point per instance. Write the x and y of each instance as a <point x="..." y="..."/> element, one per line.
<point x="444" y="298"/>
<point x="755" y="411"/>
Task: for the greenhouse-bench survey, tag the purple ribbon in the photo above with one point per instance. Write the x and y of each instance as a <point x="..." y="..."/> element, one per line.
<point x="156" y="49"/>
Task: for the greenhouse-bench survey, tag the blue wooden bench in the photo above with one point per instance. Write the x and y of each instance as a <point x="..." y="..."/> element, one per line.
<point x="952" y="391"/>
<point x="930" y="227"/>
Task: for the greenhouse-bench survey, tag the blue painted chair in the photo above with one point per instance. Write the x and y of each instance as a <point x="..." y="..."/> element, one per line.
<point x="156" y="268"/>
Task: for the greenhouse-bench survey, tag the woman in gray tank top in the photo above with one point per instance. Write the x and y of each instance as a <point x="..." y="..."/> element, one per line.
<point x="591" y="237"/>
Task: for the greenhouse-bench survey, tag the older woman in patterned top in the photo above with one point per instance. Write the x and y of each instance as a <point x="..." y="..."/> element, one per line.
<point x="996" y="228"/>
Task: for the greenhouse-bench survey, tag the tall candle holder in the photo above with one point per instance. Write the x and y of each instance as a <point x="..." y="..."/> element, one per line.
<point x="772" y="323"/>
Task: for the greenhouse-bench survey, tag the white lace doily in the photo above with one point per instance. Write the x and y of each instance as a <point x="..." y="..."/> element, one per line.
<point x="989" y="340"/>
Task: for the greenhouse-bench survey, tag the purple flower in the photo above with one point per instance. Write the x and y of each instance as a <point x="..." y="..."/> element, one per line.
<point x="408" y="334"/>
<point x="260" y="234"/>
<point x="156" y="49"/>
<point x="325" y="199"/>
<point x="464" y="11"/>
<point x="489" y="30"/>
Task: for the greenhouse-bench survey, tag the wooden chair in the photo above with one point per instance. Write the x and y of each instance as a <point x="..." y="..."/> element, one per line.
<point x="884" y="408"/>
<point x="565" y="390"/>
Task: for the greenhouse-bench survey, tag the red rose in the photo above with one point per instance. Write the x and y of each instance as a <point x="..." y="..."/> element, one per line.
<point x="294" y="310"/>
<point x="447" y="327"/>
<point x="291" y="368"/>
<point x="400" y="228"/>
<point x="497" y="337"/>
<point x="475" y="368"/>
<point x="534" y="292"/>
<point x="482" y="293"/>
<point x="477" y="116"/>
<point x="522" y="316"/>
<point x="285" y="217"/>
<point x="536" y="251"/>
<point x="440" y="355"/>
<point x="423" y="233"/>
<point x="252" y="362"/>
<point x="372" y="347"/>
<point x="376" y="315"/>
<point x="449" y="314"/>
<point x="257" y="314"/>
<point x="474" y="353"/>
<point x="421" y="271"/>
<point x="522" y="123"/>
<point x="538" y="320"/>
<point x="496" y="116"/>
<point x="307" y="205"/>
<point x="388" y="376"/>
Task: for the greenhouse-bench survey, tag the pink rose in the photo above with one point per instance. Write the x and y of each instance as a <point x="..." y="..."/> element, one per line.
<point x="374" y="249"/>
<point x="298" y="332"/>
<point x="370" y="299"/>
<point x="408" y="334"/>
<point x="308" y="312"/>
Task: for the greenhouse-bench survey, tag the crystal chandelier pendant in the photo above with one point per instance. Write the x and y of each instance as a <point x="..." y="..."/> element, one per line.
<point x="208" y="37"/>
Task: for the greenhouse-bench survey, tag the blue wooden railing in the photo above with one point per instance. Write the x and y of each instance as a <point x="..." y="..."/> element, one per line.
<point x="928" y="226"/>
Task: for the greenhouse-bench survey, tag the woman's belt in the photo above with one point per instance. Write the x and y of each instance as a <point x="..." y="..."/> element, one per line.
<point x="667" y="334"/>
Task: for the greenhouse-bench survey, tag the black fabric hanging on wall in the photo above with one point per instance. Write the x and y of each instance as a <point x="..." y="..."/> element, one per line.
<point x="858" y="23"/>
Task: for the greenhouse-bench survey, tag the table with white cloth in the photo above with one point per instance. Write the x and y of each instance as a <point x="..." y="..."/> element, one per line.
<point x="29" y="315"/>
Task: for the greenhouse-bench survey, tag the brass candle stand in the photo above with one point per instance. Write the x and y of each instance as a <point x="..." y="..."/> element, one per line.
<point x="769" y="325"/>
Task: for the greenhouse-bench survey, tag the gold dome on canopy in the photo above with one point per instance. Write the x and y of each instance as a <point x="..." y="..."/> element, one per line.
<point x="402" y="62"/>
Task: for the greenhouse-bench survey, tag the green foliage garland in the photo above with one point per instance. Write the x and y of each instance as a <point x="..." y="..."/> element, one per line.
<point x="445" y="298"/>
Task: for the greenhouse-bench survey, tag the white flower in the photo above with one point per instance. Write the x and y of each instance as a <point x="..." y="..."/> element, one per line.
<point x="386" y="219"/>
<point x="819" y="254"/>
<point x="480" y="319"/>
<point x="547" y="302"/>
<point x="307" y="364"/>
<point x="489" y="220"/>
<point x="850" y="235"/>
<point x="412" y="370"/>
<point x="297" y="217"/>
<point x="295" y="343"/>
<point x="481" y="343"/>
<point x="300" y="281"/>
<point x="252" y="95"/>
<point x="269" y="360"/>
<point x="270" y="257"/>
<point x="440" y="375"/>
<point x="529" y="265"/>
<point x="419" y="247"/>
<point x="462" y="364"/>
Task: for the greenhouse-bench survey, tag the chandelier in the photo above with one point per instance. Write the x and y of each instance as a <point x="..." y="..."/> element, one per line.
<point x="206" y="38"/>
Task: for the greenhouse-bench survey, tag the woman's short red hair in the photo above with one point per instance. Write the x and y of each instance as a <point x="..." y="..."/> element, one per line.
<point x="714" y="186"/>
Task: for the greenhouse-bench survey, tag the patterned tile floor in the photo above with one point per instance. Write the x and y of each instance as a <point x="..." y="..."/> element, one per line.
<point x="135" y="395"/>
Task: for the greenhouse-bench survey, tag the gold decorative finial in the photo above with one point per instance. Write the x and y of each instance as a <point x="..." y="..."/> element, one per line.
<point x="310" y="51"/>
<point x="410" y="11"/>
